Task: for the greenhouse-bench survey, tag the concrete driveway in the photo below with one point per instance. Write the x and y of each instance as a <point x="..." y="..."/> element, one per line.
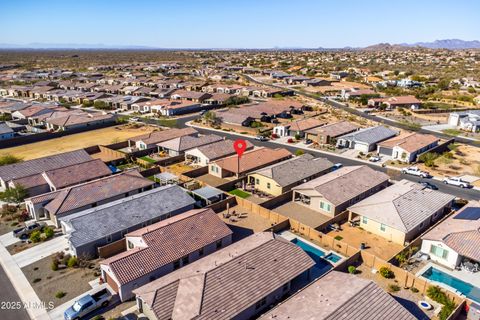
<point x="8" y="239"/>
<point x="41" y="251"/>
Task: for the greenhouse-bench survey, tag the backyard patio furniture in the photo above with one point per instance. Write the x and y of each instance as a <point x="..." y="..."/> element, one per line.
<point x="470" y="267"/>
<point x="243" y="215"/>
<point x="233" y="219"/>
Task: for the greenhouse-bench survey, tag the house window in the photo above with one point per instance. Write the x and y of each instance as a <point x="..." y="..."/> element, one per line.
<point x="176" y="264"/>
<point x="219" y="244"/>
<point x="268" y="185"/>
<point x="421" y="225"/>
<point x="200" y="252"/>
<point x="257" y="181"/>
<point x="382" y="227"/>
<point x="364" y="220"/>
<point x="130" y="245"/>
<point x="325" y="206"/>
<point x="439" y="252"/>
<point x="260" y="303"/>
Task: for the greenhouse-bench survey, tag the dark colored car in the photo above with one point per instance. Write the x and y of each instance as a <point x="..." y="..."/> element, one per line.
<point x="428" y="185"/>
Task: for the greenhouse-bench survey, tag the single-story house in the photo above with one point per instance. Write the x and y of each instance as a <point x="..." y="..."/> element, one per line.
<point x="334" y="192"/>
<point x="37" y="166"/>
<point x="178" y="146"/>
<point x="365" y="140"/>
<point x="199" y="290"/>
<point x="193" y="96"/>
<point x="409" y="102"/>
<point x="406" y="147"/>
<point x="5" y="131"/>
<point x="96" y="227"/>
<point x="283" y="176"/>
<point x="249" y="161"/>
<point x="467" y="120"/>
<point x="297" y="127"/>
<point x="172" y="108"/>
<point x="86" y="195"/>
<point x="340" y="295"/>
<point x="402" y="211"/>
<point x="75" y="121"/>
<point x="455" y="239"/>
<point x="164" y="247"/>
<point x="203" y="155"/>
<point x="328" y="134"/>
<point x="150" y="140"/>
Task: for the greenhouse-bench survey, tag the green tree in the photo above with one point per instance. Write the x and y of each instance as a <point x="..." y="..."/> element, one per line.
<point x="299" y="152"/>
<point x="35" y="236"/>
<point x="211" y="118"/>
<point x="9" y="159"/>
<point x="15" y="195"/>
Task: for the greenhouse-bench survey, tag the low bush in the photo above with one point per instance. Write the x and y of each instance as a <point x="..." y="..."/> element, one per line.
<point x="386" y="273"/>
<point x="60" y="294"/>
<point x="48" y="231"/>
<point x="338" y="238"/>
<point x="393" y="288"/>
<point x="437" y="295"/>
<point x="35" y="236"/>
<point x="352" y="270"/>
<point x="414" y="290"/>
<point x="54" y="265"/>
<point x="72" y="262"/>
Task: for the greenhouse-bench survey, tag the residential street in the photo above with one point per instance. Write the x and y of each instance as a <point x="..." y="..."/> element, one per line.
<point x="9" y="295"/>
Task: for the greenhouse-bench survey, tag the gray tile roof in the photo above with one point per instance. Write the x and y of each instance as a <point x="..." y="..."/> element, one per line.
<point x="293" y="170"/>
<point x="339" y="296"/>
<point x="188" y="142"/>
<point x="36" y="166"/>
<point x="4" y="128"/>
<point x="460" y="231"/>
<point x="370" y="135"/>
<point x="96" y="223"/>
<point x="345" y="183"/>
<point x="220" y="149"/>
<point x="225" y="283"/>
<point x="402" y="206"/>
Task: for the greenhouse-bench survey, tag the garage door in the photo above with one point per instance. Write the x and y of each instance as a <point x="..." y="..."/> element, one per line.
<point x="385" y="151"/>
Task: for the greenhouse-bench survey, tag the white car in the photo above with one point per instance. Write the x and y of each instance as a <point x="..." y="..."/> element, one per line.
<point x="414" y="171"/>
<point x="134" y="119"/>
<point x="456" y="181"/>
<point x="374" y="159"/>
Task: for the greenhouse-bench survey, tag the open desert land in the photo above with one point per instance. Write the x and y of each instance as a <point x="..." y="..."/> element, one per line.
<point x="76" y="141"/>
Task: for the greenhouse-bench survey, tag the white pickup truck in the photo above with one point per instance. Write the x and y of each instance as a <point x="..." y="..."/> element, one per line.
<point x="414" y="171"/>
<point x="456" y="181"/>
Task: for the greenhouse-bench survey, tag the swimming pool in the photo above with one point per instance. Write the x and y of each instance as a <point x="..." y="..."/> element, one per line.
<point x="321" y="263"/>
<point x="465" y="288"/>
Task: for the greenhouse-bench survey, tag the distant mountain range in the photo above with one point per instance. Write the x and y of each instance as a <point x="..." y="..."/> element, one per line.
<point x="452" y="44"/>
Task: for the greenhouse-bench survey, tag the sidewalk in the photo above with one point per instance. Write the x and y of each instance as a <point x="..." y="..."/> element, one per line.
<point x="8" y="239"/>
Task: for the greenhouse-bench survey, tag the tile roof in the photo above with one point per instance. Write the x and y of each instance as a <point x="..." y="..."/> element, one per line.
<point x="334" y="129"/>
<point x="188" y="142"/>
<point x="167" y="241"/>
<point x="305" y="124"/>
<point x="220" y="149"/>
<point x="253" y="159"/>
<point x="164" y="135"/>
<point x="75" y="119"/>
<point x="227" y="282"/>
<point x="95" y="223"/>
<point x="345" y="183"/>
<point x="340" y="296"/>
<point x="36" y="166"/>
<point x="4" y="128"/>
<point x="77" y="173"/>
<point x="410" y="142"/>
<point x="460" y="231"/>
<point x="370" y="135"/>
<point x="403" y="205"/>
<point x="293" y="170"/>
<point x="93" y="191"/>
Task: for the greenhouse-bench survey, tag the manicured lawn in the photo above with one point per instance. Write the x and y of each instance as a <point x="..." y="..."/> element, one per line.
<point x="148" y="159"/>
<point x="452" y="132"/>
<point x="240" y="193"/>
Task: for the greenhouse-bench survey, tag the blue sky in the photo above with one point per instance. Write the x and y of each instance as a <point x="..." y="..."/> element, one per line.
<point x="237" y="24"/>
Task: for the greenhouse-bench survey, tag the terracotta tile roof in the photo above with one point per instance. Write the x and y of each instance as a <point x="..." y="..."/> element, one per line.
<point x="305" y="124"/>
<point x="188" y="142"/>
<point x="167" y="241"/>
<point x="77" y="173"/>
<point x="220" y="149"/>
<point x="94" y="191"/>
<point x="227" y="282"/>
<point x="164" y="135"/>
<point x="36" y="166"/>
<point x="253" y="159"/>
<point x="34" y="180"/>
<point x="460" y="231"/>
<point x="345" y="183"/>
<point x="334" y="129"/>
<point x="341" y="296"/>
<point x="409" y="142"/>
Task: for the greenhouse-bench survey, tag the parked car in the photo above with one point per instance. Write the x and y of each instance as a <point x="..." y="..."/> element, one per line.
<point x="87" y="304"/>
<point x="428" y="185"/>
<point x="24" y="232"/>
<point x="134" y="119"/>
<point x="374" y="159"/>
<point x="203" y="112"/>
<point x="415" y="171"/>
<point x="337" y="166"/>
<point x="308" y="141"/>
<point x="456" y="181"/>
<point x="261" y="138"/>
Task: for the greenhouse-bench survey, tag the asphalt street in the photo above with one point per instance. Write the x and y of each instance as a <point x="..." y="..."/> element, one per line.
<point x="11" y="307"/>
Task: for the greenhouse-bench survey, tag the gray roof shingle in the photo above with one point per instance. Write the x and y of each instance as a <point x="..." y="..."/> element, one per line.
<point x="370" y="135"/>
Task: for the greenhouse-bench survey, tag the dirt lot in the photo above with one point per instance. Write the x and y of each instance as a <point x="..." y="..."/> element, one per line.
<point x="76" y="141"/>
<point x="71" y="281"/>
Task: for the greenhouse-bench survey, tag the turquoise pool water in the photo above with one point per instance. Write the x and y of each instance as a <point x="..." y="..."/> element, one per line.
<point x="465" y="288"/>
<point x="322" y="265"/>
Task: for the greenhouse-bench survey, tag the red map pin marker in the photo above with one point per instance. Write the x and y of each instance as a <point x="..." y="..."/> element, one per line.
<point x="240" y="146"/>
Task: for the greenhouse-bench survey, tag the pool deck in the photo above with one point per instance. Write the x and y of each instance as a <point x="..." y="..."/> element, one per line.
<point x="290" y="236"/>
<point x="468" y="277"/>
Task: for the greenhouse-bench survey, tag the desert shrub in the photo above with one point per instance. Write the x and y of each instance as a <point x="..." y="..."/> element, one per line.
<point x="428" y="158"/>
<point x="60" y="294"/>
<point x="48" y="231"/>
<point x="393" y="288"/>
<point x="299" y="152"/>
<point x="35" y="236"/>
<point x="352" y="270"/>
<point x="72" y="262"/>
<point x="65" y="258"/>
<point x="414" y="290"/>
<point x="436" y="294"/>
<point x="386" y="273"/>
<point x="54" y="265"/>
<point x="298" y="137"/>
<point x="338" y="238"/>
